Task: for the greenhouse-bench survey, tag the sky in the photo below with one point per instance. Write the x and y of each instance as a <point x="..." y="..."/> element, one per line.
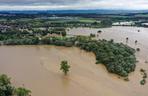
<point x="73" y="4"/>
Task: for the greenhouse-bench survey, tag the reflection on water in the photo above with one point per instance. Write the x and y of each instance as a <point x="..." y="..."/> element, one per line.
<point x="37" y="67"/>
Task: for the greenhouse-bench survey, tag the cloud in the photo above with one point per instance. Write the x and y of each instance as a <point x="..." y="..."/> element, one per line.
<point x="72" y="4"/>
<point x="34" y="2"/>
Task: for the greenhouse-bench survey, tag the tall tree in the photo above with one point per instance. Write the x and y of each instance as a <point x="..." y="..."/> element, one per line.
<point x="65" y="67"/>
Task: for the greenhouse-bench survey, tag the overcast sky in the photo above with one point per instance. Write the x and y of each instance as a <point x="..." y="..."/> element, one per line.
<point x="72" y="4"/>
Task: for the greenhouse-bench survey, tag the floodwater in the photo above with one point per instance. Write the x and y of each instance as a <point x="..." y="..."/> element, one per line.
<point x="119" y="34"/>
<point x="37" y="67"/>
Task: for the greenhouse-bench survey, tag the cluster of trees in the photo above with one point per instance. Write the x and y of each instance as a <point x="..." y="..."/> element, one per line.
<point x="106" y="23"/>
<point x="71" y="24"/>
<point x="7" y="89"/>
<point x="143" y="81"/>
<point x="117" y="57"/>
<point x="30" y="23"/>
<point x="13" y="34"/>
<point x="17" y="37"/>
<point x="27" y="31"/>
<point x="59" y="31"/>
<point x="59" y="41"/>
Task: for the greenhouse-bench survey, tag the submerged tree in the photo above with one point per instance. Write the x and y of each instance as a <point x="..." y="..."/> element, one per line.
<point x="136" y="42"/>
<point x="143" y="82"/>
<point x="138" y="49"/>
<point x="65" y="67"/>
<point x="7" y="89"/>
<point x="99" y="31"/>
<point x="22" y="92"/>
<point x="127" y="39"/>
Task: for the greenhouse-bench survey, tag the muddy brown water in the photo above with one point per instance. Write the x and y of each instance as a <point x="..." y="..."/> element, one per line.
<point x="37" y="67"/>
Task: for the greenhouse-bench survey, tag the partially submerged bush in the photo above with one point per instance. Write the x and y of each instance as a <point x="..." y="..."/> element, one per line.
<point x="99" y="31"/>
<point x="126" y="79"/>
<point x="22" y="92"/>
<point x="138" y="49"/>
<point x="6" y="88"/>
<point x="144" y="75"/>
<point x="142" y="70"/>
<point x="143" y="82"/>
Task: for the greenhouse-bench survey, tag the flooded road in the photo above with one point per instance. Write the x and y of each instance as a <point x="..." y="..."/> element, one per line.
<point x="38" y="67"/>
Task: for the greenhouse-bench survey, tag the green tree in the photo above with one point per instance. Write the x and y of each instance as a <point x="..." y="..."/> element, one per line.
<point x="6" y="89"/>
<point x="22" y="92"/>
<point x="143" y="82"/>
<point x="65" y="67"/>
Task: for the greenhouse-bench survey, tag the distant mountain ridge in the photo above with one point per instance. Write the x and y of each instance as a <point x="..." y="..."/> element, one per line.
<point x="101" y="11"/>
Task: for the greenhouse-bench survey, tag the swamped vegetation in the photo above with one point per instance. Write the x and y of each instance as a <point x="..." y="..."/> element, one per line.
<point x="144" y="76"/>
<point x="7" y="89"/>
<point x="117" y="57"/>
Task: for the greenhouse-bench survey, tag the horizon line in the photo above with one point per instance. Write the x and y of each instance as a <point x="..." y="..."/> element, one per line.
<point x="75" y="9"/>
